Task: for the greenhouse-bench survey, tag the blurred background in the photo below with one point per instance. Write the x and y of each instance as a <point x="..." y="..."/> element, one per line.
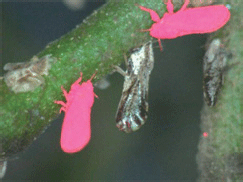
<point x="163" y="149"/>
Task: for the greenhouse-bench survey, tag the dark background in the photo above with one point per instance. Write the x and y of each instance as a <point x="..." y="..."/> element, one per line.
<point x="163" y="149"/>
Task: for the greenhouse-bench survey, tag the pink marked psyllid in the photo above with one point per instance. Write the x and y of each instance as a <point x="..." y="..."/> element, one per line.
<point x="187" y="21"/>
<point x="76" y="128"/>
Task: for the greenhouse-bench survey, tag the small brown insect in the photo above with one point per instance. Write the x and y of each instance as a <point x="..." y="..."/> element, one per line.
<point x="26" y="76"/>
<point x="133" y="107"/>
<point x="214" y="63"/>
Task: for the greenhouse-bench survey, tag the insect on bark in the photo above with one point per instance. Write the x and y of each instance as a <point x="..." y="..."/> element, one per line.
<point x="187" y="20"/>
<point x="76" y="129"/>
<point x="133" y="107"/>
<point x="27" y="76"/>
<point x="214" y="63"/>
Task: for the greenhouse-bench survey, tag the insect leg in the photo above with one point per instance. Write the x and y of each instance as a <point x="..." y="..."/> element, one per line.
<point x="184" y="5"/>
<point x="161" y="48"/>
<point x="93" y="75"/>
<point x="119" y="70"/>
<point x="64" y="92"/>
<point x="96" y="96"/>
<point x="78" y="80"/>
<point x="170" y="7"/>
<point x="153" y="14"/>
<point x="63" y="108"/>
<point x="144" y="30"/>
<point x="60" y="102"/>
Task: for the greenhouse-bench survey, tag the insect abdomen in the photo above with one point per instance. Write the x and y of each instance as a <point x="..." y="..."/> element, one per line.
<point x="75" y="126"/>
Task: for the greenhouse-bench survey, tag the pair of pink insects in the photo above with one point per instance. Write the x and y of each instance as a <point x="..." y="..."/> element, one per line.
<point x="76" y="129"/>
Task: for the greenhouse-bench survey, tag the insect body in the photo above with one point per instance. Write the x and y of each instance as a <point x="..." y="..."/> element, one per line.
<point x="214" y="63"/>
<point x="133" y="107"/>
<point x="76" y="130"/>
<point x="27" y="76"/>
<point x="187" y="21"/>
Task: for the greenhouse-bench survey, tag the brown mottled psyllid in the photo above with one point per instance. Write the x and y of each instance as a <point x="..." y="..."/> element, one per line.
<point x="214" y="63"/>
<point x="133" y="107"/>
<point x="26" y="76"/>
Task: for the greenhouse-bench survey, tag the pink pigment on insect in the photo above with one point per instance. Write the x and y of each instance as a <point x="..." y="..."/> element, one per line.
<point x="76" y="129"/>
<point x="205" y="134"/>
<point x="187" y="21"/>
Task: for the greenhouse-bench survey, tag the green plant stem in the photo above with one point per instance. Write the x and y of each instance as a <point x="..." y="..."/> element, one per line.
<point x="96" y="44"/>
<point x="220" y="155"/>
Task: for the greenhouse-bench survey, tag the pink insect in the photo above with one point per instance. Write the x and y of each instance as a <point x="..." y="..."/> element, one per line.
<point x="76" y="129"/>
<point x="187" y="20"/>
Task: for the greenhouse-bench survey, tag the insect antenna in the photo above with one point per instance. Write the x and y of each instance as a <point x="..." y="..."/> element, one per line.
<point x="93" y="75"/>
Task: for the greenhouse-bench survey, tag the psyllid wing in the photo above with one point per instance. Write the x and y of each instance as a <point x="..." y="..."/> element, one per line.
<point x="199" y="20"/>
<point x="76" y="128"/>
<point x="214" y="64"/>
<point x="133" y="107"/>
